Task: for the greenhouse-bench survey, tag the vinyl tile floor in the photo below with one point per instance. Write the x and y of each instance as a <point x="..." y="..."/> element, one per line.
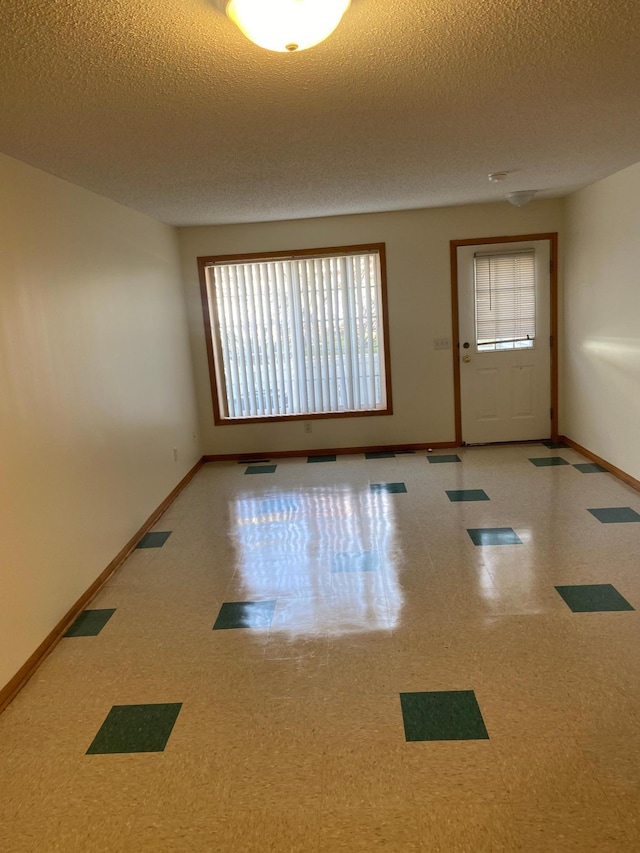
<point x="359" y="654"/>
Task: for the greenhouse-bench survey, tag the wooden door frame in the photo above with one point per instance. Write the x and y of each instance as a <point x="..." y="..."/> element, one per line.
<point x="552" y="237"/>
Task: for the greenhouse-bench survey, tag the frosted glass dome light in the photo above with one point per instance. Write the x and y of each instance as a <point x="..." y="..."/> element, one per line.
<point x="520" y="198"/>
<point x="287" y="25"/>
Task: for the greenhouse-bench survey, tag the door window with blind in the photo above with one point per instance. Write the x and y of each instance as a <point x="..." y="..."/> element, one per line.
<point x="505" y="300"/>
<point x="297" y="334"/>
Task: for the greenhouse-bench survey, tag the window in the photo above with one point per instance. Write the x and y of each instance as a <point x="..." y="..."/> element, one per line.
<point x="505" y="302"/>
<point x="297" y="334"/>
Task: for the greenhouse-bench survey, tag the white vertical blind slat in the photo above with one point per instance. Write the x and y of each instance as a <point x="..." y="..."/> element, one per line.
<point x="235" y="298"/>
<point x="321" y="323"/>
<point x="247" y="400"/>
<point x="340" y="368"/>
<point x="298" y="331"/>
<point x="345" y="326"/>
<point x="314" y="337"/>
<point x="380" y="383"/>
<point x="370" y="325"/>
<point x="251" y="278"/>
<point x="263" y="303"/>
<point x="287" y="349"/>
<point x="361" y="299"/>
<point x="275" y="327"/>
<point x="307" y="370"/>
<point x="232" y="342"/>
<point x="352" y="325"/>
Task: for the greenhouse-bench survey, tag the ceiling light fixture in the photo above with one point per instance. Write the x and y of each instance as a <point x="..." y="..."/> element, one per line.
<point x="520" y="198"/>
<point x="286" y="26"/>
<point x="494" y="177"/>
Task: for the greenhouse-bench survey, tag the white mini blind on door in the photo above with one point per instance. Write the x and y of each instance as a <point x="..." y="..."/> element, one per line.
<point x="505" y="302"/>
<point x="298" y="336"/>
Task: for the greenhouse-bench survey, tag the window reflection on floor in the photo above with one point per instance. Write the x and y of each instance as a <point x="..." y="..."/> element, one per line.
<point x="327" y="553"/>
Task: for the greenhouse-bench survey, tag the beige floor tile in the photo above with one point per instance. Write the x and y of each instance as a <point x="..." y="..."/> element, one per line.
<point x="416" y="676"/>
<point x="615" y="762"/>
<point x="572" y="828"/>
<point x="455" y="772"/>
<point x="535" y="713"/>
<point x="144" y="830"/>
<point x="369" y="829"/>
<point x="627" y="806"/>
<point x="353" y="675"/>
<point x="548" y="771"/>
<point x="365" y="642"/>
<point x="359" y="721"/>
<point x="285" y="721"/>
<point x="468" y="828"/>
<point x="272" y="831"/>
<point x="357" y="777"/>
<point x="278" y="775"/>
<point x="308" y="677"/>
<point x="284" y="645"/>
<point x="59" y="804"/>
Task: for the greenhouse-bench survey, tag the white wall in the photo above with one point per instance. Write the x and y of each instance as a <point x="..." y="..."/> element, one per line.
<point x="600" y="389"/>
<point x="419" y="289"/>
<point x="96" y="390"/>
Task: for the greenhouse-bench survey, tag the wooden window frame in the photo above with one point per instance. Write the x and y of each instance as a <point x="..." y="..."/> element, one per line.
<point x="208" y="260"/>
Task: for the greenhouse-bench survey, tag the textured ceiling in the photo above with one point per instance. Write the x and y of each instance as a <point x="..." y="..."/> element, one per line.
<point x="164" y="106"/>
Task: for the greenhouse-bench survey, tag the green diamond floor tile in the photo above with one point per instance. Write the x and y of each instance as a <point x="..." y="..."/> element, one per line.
<point x="445" y="457"/>
<point x="330" y="457"/>
<point x="245" y="614"/>
<point x="590" y="468"/>
<point x="443" y="715"/>
<point x="135" y="728"/>
<point x="156" y="539"/>
<point x="89" y="623"/>
<point x="554" y="445"/>
<point x="391" y="488"/>
<point x="494" y="536"/>
<point x="615" y="514"/>
<point x="593" y="598"/>
<point x="456" y="495"/>
<point x="261" y="469"/>
<point x="548" y="461"/>
<point x="380" y="454"/>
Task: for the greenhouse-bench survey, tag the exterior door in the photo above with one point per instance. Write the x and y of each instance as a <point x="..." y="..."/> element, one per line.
<point x="504" y="333"/>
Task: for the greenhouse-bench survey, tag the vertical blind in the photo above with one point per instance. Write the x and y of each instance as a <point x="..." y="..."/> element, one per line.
<point x="298" y="336"/>
<point x="505" y="300"/>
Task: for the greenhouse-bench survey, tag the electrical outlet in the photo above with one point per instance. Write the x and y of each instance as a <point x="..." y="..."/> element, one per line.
<point x="307" y="426"/>
<point x="441" y="343"/>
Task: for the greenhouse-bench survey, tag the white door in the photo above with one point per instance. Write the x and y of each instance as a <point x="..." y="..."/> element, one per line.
<point x="504" y="330"/>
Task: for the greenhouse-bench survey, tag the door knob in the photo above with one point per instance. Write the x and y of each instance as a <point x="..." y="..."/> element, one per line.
<point x="466" y="358"/>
